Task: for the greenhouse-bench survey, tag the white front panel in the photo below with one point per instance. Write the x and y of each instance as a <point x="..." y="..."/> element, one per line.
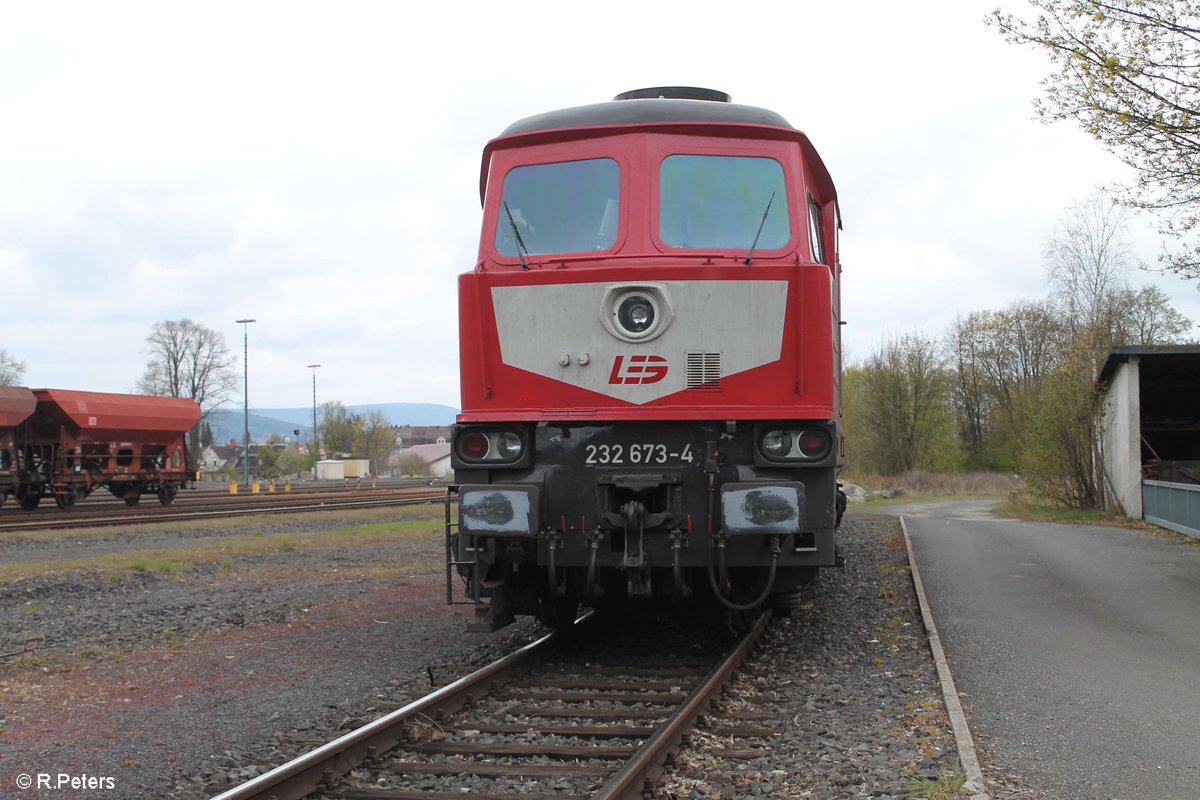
<point x="541" y="326"/>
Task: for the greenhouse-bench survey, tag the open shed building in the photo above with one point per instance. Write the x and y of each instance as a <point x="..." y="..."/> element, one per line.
<point x="1151" y="433"/>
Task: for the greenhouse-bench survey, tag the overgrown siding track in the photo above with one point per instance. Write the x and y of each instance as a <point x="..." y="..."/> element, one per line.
<point x="592" y="715"/>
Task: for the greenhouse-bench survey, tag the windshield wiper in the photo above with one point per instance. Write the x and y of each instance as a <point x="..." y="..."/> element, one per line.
<point x="766" y="211"/>
<point x="522" y="249"/>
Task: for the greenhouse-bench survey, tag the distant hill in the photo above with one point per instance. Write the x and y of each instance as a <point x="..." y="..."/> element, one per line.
<point x="228" y="423"/>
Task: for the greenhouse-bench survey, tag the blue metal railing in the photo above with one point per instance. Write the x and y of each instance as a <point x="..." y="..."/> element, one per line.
<point x="1172" y="505"/>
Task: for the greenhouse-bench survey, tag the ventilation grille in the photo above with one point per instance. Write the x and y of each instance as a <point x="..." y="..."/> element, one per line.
<point x="704" y="371"/>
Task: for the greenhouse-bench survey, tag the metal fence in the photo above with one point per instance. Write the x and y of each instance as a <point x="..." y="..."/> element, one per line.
<point x="1172" y="505"/>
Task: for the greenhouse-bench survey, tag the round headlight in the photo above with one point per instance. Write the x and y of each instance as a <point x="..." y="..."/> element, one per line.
<point x="508" y="446"/>
<point x="777" y="444"/>
<point x="812" y="443"/>
<point x="636" y="314"/>
<point x="474" y="446"/>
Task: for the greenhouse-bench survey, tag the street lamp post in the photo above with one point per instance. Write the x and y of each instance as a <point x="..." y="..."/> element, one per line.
<point x="245" y="323"/>
<point x="316" y="441"/>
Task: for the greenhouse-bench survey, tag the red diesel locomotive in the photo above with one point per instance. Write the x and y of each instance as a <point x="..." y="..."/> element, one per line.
<point x="651" y="367"/>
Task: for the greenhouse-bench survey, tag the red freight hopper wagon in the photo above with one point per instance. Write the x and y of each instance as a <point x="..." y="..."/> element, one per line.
<point x="130" y="444"/>
<point x="650" y="351"/>
<point x="16" y="405"/>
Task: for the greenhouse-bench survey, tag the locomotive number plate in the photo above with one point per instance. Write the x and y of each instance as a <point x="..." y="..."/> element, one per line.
<point x="646" y="453"/>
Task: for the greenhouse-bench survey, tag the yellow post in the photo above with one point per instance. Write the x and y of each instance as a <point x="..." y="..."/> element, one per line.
<point x="287" y="486"/>
<point x="254" y="488"/>
<point x="233" y="487"/>
<point x="271" y="486"/>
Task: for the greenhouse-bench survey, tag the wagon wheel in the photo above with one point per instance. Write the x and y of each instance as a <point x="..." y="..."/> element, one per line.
<point x="131" y="499"/>
<point x="29" y="500"/>
<point x="65" y="500"/>
<point x="167" y="492"/>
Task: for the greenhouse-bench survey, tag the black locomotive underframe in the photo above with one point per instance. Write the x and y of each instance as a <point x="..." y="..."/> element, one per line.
<point x="619" y="523"/>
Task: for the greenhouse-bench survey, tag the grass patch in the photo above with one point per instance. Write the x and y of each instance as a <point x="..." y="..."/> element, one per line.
<point x="1023" y="507"/>
<point x="31" y="608"/>
<point x="249" y="524"/>
<point x="167" y="566"/>
<point x="939" y="484"/>
<point x="418" y="526"/>
<point x="947" y="785"/>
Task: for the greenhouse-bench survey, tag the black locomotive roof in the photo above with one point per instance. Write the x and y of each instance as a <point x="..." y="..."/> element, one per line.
<point x="657" y="105"/>
<point x="645" y="106"/>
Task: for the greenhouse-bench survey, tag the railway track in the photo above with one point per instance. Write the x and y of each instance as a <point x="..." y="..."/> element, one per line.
<point x="213" y="505"/>
<point x="594" y="714"/>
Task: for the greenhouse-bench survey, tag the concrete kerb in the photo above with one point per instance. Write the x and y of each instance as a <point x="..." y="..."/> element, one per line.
<point x="967" y="755"/>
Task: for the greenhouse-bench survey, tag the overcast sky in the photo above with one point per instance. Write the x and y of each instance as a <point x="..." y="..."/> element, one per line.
<point x="315" y="167"/>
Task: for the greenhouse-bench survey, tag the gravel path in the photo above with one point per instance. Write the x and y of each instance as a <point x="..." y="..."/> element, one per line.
<point x="168" y="682"/>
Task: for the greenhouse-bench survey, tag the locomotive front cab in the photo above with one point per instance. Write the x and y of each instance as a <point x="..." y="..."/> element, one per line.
<point x="650" y="363"/>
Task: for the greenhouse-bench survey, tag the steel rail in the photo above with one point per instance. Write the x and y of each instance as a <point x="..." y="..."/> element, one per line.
<point x="303" y="775"/>
<point x="636" y="776"/>
<point x="67" y="520"/>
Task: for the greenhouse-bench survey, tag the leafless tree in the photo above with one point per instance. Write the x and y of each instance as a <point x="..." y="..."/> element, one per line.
<point x="11" y="368"/>
<point x="1088" y="258"/>
<point x="186" y="359"/>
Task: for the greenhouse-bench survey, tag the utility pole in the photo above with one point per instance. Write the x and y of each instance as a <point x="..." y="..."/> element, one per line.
<point x="316" y="440"/>
<point x="245" y="323"/>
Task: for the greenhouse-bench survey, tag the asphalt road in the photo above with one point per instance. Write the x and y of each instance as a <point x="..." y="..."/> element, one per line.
<point x="1076" y="650"/>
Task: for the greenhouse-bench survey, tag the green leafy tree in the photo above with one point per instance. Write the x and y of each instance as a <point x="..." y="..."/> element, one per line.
<point x="1059" y="454"/>
<point x="899" y="409"/>
<point x="1145" y="316"/>
<point x="1128" y="72"/>
<point x="1087" y="258"/>
<point x="998" y="360"/>
<point x="373" y="439"/>
<point x="339" y="428"/>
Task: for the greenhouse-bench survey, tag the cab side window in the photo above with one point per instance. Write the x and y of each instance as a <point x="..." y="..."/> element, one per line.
<point x="815" y="235"/>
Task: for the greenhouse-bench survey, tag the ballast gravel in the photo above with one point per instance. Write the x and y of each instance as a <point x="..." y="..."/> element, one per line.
<point x="170" y="685"/>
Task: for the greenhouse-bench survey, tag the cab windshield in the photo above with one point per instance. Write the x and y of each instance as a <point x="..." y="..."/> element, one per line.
<point x="718" y="202"/>
<point x="564" y="207"/>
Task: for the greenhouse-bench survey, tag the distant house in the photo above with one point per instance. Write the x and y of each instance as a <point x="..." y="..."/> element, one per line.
<point x="410" y="435"/>
<point x="436" y="456"/>
<point x="218" y="456"/>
